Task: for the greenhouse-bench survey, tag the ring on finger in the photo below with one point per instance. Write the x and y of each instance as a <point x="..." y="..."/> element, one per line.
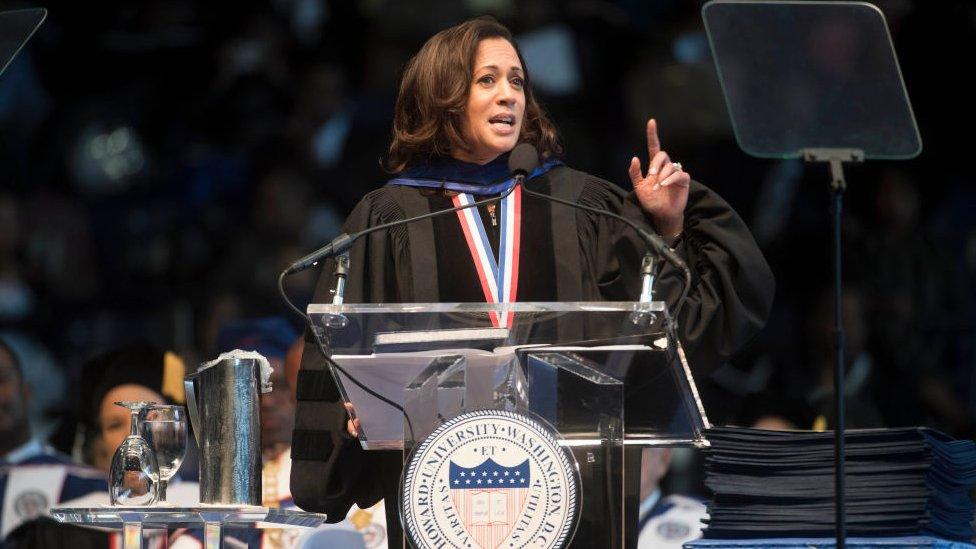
<point x="677" y="166"/>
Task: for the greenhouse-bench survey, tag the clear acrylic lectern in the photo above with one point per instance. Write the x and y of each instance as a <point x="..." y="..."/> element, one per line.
<point x="604" y="375"/>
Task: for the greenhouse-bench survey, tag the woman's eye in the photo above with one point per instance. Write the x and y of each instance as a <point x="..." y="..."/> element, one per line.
<point x="518" y="82"/>
<point x="486" y="79"/>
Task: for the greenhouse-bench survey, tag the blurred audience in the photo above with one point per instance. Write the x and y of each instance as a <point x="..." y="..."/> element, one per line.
<point x="864" y="384"/>
<point x="33" y="477"/>
<point x="49" y="404"/>
<point x="917" y="299"/>
<point x="669" y="521"/>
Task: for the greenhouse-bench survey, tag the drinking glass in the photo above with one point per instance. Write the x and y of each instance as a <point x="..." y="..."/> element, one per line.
<point x="134" y="475"/>
<point x="164" y="428"/>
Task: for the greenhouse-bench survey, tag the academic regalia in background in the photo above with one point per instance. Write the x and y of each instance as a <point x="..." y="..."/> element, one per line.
<point x="566" y="255"/>
<point x="668" y="522"/>
<point x="34" y="478"/>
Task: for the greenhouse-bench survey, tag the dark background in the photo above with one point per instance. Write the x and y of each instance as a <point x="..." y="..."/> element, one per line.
<point x="161" y="162"/>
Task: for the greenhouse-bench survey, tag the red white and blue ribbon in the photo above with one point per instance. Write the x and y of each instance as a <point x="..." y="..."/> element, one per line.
<point x="499" y="279"/>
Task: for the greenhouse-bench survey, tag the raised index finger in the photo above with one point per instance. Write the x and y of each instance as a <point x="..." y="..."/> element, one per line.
<point x="653" y="143"/>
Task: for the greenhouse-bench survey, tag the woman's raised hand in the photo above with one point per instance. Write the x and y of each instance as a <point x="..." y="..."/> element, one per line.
<point x="663" y="192"/>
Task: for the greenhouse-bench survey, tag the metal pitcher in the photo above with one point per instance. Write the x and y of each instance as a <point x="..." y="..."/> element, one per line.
<point x="223" y="401"/>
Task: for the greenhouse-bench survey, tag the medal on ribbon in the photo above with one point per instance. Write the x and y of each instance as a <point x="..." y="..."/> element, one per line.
<point x="499" y="279"/>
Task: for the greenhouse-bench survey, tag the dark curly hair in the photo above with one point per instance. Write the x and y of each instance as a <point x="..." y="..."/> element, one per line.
<point x="434" y="94"/>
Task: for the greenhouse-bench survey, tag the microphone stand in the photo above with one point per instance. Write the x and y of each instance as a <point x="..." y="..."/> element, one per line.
<point x="648" y="273"/>
<point x="342" y="270"/>
<point x="339" y="293"/>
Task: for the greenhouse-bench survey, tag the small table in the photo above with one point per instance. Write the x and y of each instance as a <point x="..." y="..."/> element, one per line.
<point x="132" y="520"/>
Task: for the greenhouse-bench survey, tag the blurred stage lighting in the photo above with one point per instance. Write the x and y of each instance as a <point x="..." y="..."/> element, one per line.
<point x="550" y="54"/>
<point x="107" y="160"/>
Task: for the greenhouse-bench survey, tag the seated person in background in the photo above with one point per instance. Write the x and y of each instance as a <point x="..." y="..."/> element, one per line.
<point x="135" y="372"/>
<point x="670" y="521"/>
<point x="33" y="477"/>
<point x="138" y="372"/>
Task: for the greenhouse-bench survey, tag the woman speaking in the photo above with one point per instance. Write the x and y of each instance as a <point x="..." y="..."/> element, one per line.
<point x="465" y="102"/>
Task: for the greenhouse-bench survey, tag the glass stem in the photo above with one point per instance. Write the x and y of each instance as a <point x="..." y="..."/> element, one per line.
<point x="134" y="423"/>
<point x="162" y="491"/>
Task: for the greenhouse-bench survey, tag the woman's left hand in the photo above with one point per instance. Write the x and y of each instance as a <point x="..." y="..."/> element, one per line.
<point x="663" y="192"/>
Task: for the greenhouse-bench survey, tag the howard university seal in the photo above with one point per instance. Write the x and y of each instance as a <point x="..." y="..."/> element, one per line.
<point x="490" y="479"/>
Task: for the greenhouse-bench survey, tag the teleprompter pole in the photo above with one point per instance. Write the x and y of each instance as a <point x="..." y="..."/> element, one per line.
<point x="835" y="159"/>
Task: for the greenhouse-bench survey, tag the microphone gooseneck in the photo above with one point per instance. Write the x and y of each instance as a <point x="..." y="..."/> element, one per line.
<point x="338" y="245"/>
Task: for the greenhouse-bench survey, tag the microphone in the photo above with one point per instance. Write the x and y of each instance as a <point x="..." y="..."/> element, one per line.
<point x="338" y="245"/>
<point x="523" y="161"/>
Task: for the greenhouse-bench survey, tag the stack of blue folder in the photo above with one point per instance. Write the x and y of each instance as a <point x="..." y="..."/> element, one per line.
<point x="780" y="484"/>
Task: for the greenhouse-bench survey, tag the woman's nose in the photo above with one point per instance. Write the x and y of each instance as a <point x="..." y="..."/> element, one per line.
<point x="506" y="93"/>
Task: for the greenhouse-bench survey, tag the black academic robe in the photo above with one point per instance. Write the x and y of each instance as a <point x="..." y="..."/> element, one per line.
<point x="566" y="255"/>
